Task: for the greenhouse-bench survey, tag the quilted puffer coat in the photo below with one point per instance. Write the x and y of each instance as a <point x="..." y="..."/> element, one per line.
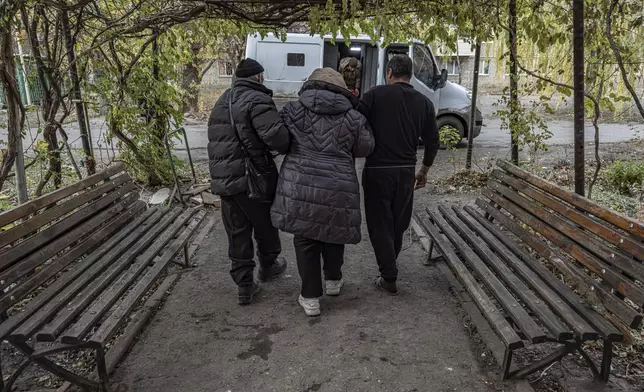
<point x="260" y="128"/>
<point x="318" y="195"/>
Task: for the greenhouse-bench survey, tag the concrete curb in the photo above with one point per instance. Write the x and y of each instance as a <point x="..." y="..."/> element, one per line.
<point x="483" y="328"/>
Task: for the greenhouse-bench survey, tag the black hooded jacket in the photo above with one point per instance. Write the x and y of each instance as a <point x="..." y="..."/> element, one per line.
<point x="318" y="194"/>
<point x="260" y="128"/>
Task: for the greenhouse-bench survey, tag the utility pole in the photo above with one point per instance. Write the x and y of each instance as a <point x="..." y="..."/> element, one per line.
<point x="475" y="91"/>
<point x="514" y="79"/>
<point x="579" y="97"/>
<point x="77" y="98"/>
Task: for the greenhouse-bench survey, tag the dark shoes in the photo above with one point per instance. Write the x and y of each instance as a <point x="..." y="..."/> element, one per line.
<point x="267" y="273"/>
<point x="388" y="287"/>
<point x="246" y="293"/>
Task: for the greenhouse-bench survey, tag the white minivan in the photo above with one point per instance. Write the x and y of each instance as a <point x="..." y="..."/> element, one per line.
<point x="288" y="63"/>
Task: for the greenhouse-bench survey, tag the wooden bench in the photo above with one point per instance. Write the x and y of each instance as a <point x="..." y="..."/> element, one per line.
<point x="507" y="268"/>
<point x="74" y="267"/>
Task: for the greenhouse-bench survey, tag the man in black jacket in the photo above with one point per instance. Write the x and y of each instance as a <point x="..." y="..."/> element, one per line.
<point x="399" y="115"/>
<point x="260" y="128"/>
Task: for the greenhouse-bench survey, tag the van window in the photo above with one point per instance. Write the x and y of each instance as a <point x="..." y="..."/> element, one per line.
<point x="295" y="59"/>
<point x="423" y="65"/>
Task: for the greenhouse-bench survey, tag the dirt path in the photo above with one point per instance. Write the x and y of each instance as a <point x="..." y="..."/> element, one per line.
<point x="201" y="340"/>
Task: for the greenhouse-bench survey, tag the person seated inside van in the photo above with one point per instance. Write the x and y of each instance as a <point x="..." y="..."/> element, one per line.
<point x="351" y="71"/>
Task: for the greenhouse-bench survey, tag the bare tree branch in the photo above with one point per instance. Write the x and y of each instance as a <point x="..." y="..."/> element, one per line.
<point x="206" y="68"/>
<point x="618" y="57"/>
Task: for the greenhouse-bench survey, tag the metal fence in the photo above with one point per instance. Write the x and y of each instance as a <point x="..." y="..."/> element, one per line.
<point x="31" y="90"/>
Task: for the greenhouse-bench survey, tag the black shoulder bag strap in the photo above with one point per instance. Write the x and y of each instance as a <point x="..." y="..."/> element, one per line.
<point x="261" y="182"/>
<point x="232" y="122"/>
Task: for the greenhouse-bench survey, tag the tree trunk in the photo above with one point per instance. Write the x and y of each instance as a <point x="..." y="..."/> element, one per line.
<point x="475" y="91"/>
<point x="191" y="86"/>
<point x="50" y="103"/>
<point x="514" y="80"/>
<point x="15" y="119"/>
<point x="596" y="116"/>
<point x="458" y="64"/>
<point x="160" y="120"/>
<point x="76" y="94"/>
<point x="192" y="80"/>
<point x="618" y="58"/>
<point x="579" y="93"/>
<point x="53" y="155"/>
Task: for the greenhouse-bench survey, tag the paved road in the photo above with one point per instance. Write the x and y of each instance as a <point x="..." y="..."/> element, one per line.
<point x="491" y="136"/>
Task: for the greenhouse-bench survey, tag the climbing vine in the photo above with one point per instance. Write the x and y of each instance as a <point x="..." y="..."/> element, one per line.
<point x="143" y="60"/>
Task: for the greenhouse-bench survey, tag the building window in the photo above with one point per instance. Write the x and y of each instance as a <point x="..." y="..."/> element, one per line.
<point x="225" y="68"/>
<point x="451" y="65"/>
<point x="484" y="67"/>
<point x="295" y="59"/>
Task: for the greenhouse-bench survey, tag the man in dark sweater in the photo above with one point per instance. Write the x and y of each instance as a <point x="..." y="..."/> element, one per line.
<point x="399" y="115"/>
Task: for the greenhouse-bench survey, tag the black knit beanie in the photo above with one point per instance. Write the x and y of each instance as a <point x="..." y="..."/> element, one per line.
<point x="248" y="68"/>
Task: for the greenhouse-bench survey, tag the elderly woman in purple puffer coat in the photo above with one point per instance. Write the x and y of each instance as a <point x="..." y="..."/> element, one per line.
<point x="318" y="194"/>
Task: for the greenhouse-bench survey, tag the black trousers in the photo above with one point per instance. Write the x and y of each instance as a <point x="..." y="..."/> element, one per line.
<point x="242" y="218"/>
<point x="308" y="254"/>
<point x="388" y="201"/>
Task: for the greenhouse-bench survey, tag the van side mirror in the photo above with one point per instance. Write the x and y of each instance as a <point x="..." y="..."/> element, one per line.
<point x="442" y="81"/>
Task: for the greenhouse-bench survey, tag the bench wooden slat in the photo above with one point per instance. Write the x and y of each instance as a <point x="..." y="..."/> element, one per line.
<point x="624" y="242"/>
<point x="50" y="215"/>
<point x="119" y="313"/>
<point x="28" y="247"/>
<point x="39" y="309"/>
<point x="627" y="314"/>
<point x="501" y="327"/>
<point x="67" y="297"/>
<point x="86" y="246"/>
<point x="94" y="247"/>
<point x="558" y="330"/>
<point x="139" y="320"/>
<point x="537" y="220"/>
<point x="119" y="262"/>
<point x="35" y="205"/>
<point x="627" y="224"/>
<point x="38" y="258"/>
<point x="609" y="256"/>
<point x="91" y="316"/>
<point x="550" y="292"/>
<point x="523" y="320"/>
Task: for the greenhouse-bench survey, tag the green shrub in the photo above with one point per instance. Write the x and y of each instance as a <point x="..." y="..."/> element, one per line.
<point x="626" y="178"/>
<point x="449" y="136"/>
<point x="610" y="199"/>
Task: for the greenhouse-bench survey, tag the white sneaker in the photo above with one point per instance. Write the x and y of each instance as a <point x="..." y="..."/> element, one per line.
<point x="333" y="287"/>
<point x="311" y="306"/>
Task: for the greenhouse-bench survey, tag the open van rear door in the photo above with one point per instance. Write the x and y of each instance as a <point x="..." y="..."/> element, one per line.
<point x="287" y="64"/>
<point x="426" y="75"/>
